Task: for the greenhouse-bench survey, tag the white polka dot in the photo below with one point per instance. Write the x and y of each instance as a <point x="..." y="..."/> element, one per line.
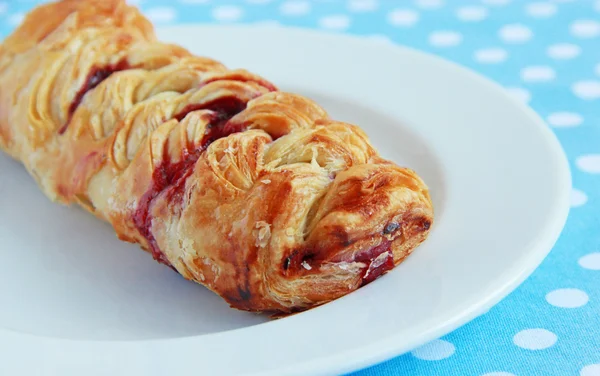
<point x="541" y="9"/>
<point x="445" y="38"/>
<point x="491" y="55"/>
<point x="590" y="261"/>
<point x="496" y="2"/>
<point x="578" y="198"/>
<point x="587" y="89"/>
<point x="430" y="4"/>
<point x="295" y="8"/>
<point x="335" y="22"/>
<point x="498" y="374"/>
<point x="362" y="5"/>
<point x="567" y="298"/>
<point x="589" y="163"/>
<point x="591" y="370"/>
<point x="259" y="2"/>
<point x="564" y="119"/>
<point x="519" y="94"/>
<point x="535" y="339"/>
<point x="540" y="73"/>
<point x="161" y="14"/>
<point x="585" y="28"/>
<point x="434" y="350"/>
<point x="227" y="13"/>
<point x="515" y="33"/>
<point x="563" y="51"/>
<point x="402" y="17"/>
<point x="16" y="19"/>
<point x="472" y="14"/>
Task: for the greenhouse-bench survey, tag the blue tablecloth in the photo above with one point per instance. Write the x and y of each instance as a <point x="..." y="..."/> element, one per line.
<point x="546" y="53"/>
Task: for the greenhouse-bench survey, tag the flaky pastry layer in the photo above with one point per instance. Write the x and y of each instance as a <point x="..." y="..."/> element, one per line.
<point x="255" y="193"/>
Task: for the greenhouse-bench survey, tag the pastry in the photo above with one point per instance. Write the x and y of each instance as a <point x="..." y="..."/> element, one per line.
<point x="253" y="192"/>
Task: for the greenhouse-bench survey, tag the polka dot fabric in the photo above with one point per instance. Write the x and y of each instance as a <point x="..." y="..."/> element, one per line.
<point x="546" y="54"/>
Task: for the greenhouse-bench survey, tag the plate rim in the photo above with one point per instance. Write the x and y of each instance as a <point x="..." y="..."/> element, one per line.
<point x="326" y="365"/>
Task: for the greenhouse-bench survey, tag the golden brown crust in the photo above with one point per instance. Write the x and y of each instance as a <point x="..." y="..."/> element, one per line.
<point x="254" y="193"/>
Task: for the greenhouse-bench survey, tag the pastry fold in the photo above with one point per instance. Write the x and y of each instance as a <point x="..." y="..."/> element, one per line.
<point x="255" y="193"/>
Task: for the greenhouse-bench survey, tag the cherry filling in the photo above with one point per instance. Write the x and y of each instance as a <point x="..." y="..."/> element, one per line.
<point x="170" y="177"/>
<point x="94" y="78"/>
<point x="379" y="260"/>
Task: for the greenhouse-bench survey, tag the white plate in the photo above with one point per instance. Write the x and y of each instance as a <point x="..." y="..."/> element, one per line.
<point x="77" y="301"/>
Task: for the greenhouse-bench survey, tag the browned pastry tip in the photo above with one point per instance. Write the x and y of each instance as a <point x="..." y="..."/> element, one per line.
<point x="255" y="193"/>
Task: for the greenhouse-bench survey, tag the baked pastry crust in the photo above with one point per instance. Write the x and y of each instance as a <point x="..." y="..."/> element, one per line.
<point x="255" y="193"/>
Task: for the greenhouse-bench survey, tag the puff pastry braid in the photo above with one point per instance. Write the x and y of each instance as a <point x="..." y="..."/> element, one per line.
<point x="255" y="193"/>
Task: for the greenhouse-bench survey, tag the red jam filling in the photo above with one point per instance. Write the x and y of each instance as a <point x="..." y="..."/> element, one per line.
<point x="170" y="177"/>
<point x="375" y="266"/>
<point x="369" y="257"/>
<point x="94" y="78"/>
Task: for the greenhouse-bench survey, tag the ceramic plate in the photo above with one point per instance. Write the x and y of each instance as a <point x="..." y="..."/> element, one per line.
<point x="75" y="300"/>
